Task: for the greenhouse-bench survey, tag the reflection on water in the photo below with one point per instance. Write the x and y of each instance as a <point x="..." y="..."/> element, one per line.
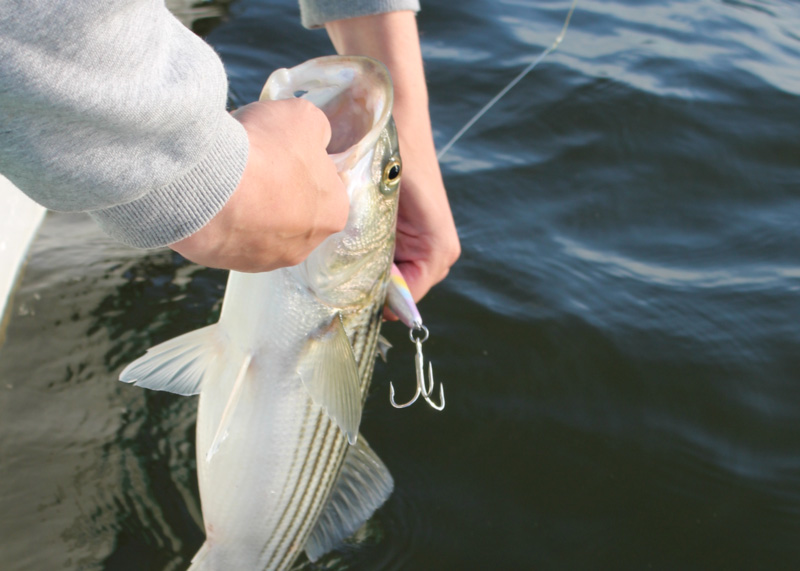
<point x="619" y="339"/>
<point x="201" y="17"/>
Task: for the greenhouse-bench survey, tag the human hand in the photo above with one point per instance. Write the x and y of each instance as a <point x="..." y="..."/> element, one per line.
<point x="290" y="197"/>
<point x="427" y="240"/>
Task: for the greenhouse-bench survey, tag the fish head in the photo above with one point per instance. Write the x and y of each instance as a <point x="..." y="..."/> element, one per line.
<point x="356" y="94"/>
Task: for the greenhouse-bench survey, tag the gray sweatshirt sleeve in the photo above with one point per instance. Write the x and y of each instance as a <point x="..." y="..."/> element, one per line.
<point x="113" y="107"/>
<point x="315" y="13"/>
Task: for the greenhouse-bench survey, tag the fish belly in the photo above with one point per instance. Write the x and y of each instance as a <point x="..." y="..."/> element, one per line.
<point x="264" y="489"/>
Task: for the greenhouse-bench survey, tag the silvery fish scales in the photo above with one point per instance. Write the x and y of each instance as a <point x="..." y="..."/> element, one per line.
<point x="283" y="375"/>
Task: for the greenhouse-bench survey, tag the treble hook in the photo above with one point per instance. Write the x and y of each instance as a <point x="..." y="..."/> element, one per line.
<point x="424" y="388"/>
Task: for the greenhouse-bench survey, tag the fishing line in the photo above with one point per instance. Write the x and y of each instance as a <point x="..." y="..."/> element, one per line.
<point x="508" y="87"/>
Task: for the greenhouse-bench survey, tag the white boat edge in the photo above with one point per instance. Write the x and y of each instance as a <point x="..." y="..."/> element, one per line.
<point x="20" y="219"/>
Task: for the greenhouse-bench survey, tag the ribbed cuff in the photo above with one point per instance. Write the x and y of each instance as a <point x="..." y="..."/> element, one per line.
<point x="315" y="13"/>
<point x="179" y="209"/>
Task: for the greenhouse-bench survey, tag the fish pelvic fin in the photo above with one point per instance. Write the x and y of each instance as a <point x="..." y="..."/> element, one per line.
<point x="201" y="561"/>
<point x="364" y="484"/>
<point x="177" y="365"/>
<point x="230" y="407"/>
<point x="329" y="373"/>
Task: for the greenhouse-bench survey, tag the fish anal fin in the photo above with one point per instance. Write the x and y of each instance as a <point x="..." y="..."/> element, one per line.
<point x="383" y="347"/>
<point x="329" y="373"/>
<point x="177" y="365"/>
<point x="364" y="484"/>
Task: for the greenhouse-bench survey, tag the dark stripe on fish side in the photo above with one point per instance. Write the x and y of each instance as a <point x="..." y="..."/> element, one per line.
<point x="365" y="361"/>
<point x="326" y="436"/>
<point x="278" y="537"/>
<point x="367" y="364"/>
<point x="309" y="409"/>
<point x="338" y="448"/>
<point x="320" y="494"/>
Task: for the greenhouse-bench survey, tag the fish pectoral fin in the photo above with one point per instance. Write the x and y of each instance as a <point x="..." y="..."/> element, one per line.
<point x="364" y="484"/>
<point x="329" y="373"/>
<point x="176" y="365"/>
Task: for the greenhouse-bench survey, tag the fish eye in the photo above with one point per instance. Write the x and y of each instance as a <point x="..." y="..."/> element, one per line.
<point x="391" y="175"/>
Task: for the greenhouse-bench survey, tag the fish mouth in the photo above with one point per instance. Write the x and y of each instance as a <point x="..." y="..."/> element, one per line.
<point x="356" y="95"/>
<point x="354" y="92"/>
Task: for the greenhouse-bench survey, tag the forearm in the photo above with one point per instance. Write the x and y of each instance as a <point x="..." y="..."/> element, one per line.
<point x="316" y="13"/>
<point x="114" y="108"/>
<point x="393" y="39"/>
<point x="427" y="242"/>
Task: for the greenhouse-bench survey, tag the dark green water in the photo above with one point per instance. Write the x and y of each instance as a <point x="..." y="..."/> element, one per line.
<point x="619" y="342"/>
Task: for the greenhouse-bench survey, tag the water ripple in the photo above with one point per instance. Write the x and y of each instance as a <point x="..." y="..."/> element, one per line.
<point x="755" y="276"/>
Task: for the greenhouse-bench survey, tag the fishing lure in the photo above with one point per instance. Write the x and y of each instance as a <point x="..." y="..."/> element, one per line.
<point x="400" y="301"/>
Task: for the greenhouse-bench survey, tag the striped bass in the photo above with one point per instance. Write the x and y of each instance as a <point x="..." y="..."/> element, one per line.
<point x="283" y="375"/>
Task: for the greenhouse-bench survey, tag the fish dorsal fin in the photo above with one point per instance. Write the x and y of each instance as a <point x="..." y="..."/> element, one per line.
<point x="364" y="484"/>
<point x="176" y="365"/>
<point x="329" y="373"/>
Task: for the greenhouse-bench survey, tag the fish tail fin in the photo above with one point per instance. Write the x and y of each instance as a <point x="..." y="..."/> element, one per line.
<point x="176" y="365"/>
<point x="364" y="484"/>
